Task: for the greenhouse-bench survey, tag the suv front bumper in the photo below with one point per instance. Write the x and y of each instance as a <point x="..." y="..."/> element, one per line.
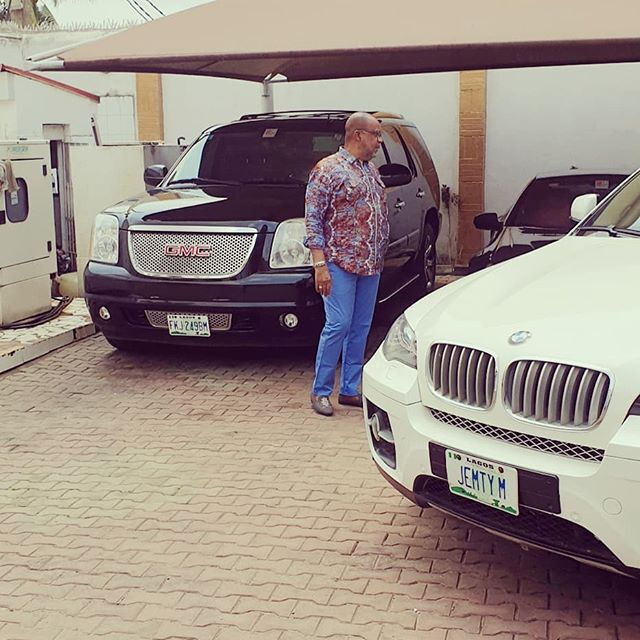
<point x="585" y="510"/>
<point x="256" y="303"/>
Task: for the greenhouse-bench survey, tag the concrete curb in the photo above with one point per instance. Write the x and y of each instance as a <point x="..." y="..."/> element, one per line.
<point x="19" y="346"/>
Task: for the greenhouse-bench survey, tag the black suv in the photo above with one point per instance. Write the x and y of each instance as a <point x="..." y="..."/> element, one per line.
<point x="214" y="253"/>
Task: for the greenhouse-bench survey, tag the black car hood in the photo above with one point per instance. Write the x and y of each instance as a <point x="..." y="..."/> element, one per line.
<point x="258" y="206"/>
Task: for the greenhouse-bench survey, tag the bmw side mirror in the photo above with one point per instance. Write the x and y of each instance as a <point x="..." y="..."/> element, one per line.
<point x="583" y="205"/>
<point x="487" y="222"/>
<point x="155" y="174"/>
<point x="395" y="175"/>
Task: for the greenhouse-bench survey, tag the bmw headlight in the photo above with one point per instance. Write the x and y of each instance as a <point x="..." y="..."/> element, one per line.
<point x="400" y="343"/>
<point x="105" y="239"/>
<point x="288" y="248"/>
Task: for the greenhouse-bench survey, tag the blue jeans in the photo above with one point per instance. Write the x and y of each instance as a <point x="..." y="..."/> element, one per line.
<point x="348" y="314"/>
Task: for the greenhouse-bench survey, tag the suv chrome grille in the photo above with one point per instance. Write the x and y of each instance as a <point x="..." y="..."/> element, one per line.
<point x="463" y="374"/>
<point x="224" y="252"/>
<point x="556" y="394"/>
<point x="217" y="321"/>
<point x="547" y="445"/>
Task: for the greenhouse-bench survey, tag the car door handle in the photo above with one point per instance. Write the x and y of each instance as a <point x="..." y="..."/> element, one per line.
<point x="399" y="204"/>
<point x="420" y="194"/>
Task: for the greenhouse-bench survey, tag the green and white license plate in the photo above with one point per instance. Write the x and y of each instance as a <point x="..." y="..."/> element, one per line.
<point x="188" y="324"/>
<point x="482" y="480"/>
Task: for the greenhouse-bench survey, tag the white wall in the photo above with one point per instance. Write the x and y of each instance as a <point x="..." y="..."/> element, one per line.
<point x="551" y="118"/>
<point x="192" y="104"/>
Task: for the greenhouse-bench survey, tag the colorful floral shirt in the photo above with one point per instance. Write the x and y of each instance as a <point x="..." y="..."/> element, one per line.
<point x="346" y="213"/>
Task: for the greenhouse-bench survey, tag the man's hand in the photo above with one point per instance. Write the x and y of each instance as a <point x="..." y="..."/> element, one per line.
<point x="323" y="280"/>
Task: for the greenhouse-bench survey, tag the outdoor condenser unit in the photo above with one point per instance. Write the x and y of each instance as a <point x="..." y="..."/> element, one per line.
<point x="27" y="232"/>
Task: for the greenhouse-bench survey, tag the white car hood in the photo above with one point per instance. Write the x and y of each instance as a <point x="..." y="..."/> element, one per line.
<point x="577" y="290"/>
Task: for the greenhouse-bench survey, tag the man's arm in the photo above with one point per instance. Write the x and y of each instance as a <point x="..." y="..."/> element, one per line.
<point x="317" y="199"/>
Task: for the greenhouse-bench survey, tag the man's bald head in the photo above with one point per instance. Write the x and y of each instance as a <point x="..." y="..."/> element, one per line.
<point x="363" y="135"/>
<point x="359" y="121"/>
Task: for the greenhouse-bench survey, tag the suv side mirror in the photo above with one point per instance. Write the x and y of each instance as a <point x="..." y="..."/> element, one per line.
<point x="155" y="174"/>
<point x="395" y="175"/>
<point x="583" y="205"/>
<point x="487" y="222"/>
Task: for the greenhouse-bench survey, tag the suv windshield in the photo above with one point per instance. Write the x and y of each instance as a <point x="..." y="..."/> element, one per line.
<point x="621" y="213"/>
<point x="268" y="154"/>
<point x="546" y="202"/>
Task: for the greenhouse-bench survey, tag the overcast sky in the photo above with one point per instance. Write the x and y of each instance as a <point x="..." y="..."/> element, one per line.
<point x="69" y="12"/>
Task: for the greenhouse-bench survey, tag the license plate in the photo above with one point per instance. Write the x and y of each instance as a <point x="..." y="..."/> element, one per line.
<point x="491" y="483"/>
<point x="188" y="324"/>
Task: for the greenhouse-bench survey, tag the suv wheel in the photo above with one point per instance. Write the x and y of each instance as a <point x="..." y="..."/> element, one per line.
<point x="428" y="259"/>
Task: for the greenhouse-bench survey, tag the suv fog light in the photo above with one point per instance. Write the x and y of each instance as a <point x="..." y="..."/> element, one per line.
<point x="381" y="434"/>
<point x="289" y="320"/>
<point x="380" y="428"/>
<point x="104" y="313"/>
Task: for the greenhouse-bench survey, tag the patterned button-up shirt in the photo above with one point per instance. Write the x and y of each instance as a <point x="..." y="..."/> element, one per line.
<point x="346" y="213"/>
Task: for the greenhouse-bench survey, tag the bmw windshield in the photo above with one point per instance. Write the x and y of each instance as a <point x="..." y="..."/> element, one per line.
<point x="267" y="154"/>
<point x="620" y="216"/>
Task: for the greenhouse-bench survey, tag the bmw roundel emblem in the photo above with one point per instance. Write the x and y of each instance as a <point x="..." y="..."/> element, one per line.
<point x="519" y="337"/>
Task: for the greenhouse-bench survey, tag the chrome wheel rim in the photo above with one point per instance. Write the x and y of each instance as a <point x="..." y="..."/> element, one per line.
<point x="429" y="262"/>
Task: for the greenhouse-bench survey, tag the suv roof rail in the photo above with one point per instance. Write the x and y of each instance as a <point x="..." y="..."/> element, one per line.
<point x="387" y="114"/>
<point x="319" y="113"/>
<point x="299" y="112"/>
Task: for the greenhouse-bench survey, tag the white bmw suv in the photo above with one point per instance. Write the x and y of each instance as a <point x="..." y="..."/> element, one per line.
<point x="511" y="398"/>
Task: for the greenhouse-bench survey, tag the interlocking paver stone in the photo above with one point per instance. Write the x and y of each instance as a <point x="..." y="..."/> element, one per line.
<point x="193" y="494"/>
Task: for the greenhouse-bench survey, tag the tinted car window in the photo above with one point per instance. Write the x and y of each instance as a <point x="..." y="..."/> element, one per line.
<point x="396" y="150"/>
<point x="546" y="202"/>
<point x="260" y="155"/>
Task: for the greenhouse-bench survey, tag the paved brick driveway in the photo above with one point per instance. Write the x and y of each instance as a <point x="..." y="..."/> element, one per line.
<point x="194" y="495"/>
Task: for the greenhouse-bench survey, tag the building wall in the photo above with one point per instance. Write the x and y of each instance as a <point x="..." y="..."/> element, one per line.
<point x="551" y="118"/>
<point x="192" y="104"/>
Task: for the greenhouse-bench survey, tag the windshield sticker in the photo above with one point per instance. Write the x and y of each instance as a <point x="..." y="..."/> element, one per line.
<point x="601" y="184"/>
<point x="270" y="133"/>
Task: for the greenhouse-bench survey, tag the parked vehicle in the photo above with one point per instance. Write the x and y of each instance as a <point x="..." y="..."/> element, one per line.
<point x="214" y="253"/>
<point x="511" y="398"/>
<point x="541" y="214"/>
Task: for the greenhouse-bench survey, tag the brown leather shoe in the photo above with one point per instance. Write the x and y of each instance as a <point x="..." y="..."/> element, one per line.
<point x="321" y="405"/>
<point x="351" y="401"/>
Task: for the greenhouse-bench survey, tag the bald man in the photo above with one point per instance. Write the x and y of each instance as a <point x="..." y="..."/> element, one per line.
<point x="347" y="233"/>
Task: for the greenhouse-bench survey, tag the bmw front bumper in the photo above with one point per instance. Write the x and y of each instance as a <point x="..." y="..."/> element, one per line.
<point x="582" y="509"/>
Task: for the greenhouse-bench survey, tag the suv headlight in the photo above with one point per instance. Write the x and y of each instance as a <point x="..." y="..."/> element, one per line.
<point x="288" y="248"/>
<point x="105" y="239"/>
<point x="400" y="343"/>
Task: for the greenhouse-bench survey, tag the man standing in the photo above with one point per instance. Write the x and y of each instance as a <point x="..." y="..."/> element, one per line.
<point x="347" y="233"/>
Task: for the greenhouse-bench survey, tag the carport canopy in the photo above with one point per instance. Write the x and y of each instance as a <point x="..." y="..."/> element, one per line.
<point x="310" y="40"/>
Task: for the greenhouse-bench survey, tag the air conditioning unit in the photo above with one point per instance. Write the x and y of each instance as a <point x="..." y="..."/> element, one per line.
<point x="27" y="232"/>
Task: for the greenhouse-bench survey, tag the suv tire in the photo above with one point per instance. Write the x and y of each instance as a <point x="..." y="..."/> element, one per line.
<point x="428" y="259"/>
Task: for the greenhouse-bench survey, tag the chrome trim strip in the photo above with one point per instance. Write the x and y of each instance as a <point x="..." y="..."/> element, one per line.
<point x="169" y="228"/>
